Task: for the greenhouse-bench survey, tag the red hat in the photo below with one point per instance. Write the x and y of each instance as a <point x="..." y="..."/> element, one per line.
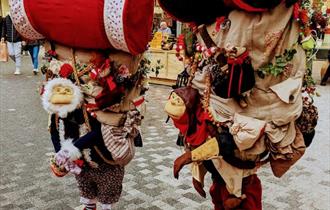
<point x="195" y="11"/>
<point x="255" y="5"/>
<point x="96" y="24"/>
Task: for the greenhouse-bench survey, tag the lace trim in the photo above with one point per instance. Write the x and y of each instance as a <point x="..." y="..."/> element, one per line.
<point x="113" y="23"/>
<point x="21" y="21"/>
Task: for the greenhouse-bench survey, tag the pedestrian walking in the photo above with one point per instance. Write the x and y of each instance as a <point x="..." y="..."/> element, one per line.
<point x="1" y="24"/>
<point x="33" y="47"/>
<point x="327" y="71"/>
<point x="14" y="42"/>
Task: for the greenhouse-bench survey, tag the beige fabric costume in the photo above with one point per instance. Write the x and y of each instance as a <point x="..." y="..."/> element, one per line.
<point x="275" y="100"/>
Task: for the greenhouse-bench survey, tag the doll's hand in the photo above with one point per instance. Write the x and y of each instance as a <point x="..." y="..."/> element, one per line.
<point x="199" y="188"/>
<point x="180" y="162"/>
<point x="61" y="157"/>
<point x="72" y="167"/>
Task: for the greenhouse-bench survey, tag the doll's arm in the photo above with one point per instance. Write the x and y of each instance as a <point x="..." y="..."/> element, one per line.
<point x="55" y="137"/>
<point x="89" y="140"/>
<point x="222" y="145"/>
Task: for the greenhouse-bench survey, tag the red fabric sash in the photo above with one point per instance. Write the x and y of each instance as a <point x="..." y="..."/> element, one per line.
<point x="244" y="6"/>
<point x="201" y="133"/>
<point x="233" y="62"/>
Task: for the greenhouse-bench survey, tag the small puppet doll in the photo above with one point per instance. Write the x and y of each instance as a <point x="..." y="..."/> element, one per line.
<point x="101" y="112"/>
<point x="184" y="108"/>
<point x="62" y="97"/>
<point x="186" y="111"/>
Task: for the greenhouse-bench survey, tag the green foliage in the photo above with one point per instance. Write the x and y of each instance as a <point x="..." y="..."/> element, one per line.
<point x="145" y="66"/>
<point x="280" y="64"/>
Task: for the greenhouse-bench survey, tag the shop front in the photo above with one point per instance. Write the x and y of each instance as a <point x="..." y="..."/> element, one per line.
<point x="161" y="52"/>
<point x="4" y="8"/>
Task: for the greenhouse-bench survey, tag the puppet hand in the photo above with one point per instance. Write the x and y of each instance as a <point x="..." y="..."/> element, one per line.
<point x="180" y="162"/>
<point x="199" y="188"/>
<point x="61" y="157"/>
<point x="68" y="152"/>
<point x="72" y="167"/>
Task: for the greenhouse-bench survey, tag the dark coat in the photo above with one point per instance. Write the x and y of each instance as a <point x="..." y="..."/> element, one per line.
<point x="2" y="29"/>
<point x="10" y="33"/>
<point x="71" y="130"/>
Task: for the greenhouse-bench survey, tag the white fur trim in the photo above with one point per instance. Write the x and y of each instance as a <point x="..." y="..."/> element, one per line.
<point x="113" y="23"/>
<point x="73" y="152"/>
<point x="21" y="21"/>
<point x="61" y="110"/>
<point x="61" y="130"/>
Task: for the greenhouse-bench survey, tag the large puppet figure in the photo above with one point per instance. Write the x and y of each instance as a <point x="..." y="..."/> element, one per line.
<point x="247" y="73"/>
<point x="94" y="88"/>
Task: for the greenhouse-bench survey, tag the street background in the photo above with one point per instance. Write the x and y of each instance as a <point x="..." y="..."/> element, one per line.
<point x="27" y="183"/>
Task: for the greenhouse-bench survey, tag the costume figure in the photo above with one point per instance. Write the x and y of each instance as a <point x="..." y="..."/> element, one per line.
<point x="14" y="42"/>
<point x="247" y="73"/>
<point x="94" y="139"/>
<point x="94" y="88"/>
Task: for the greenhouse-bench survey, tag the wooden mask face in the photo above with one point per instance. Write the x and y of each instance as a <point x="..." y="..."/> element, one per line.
<point x="62" y="94"/>
<point x="175" y="106"/>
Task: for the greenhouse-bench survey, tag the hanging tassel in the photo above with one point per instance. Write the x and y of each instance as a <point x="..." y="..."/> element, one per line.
<point x="180" y="140"/>
<point x="138" y="140"/>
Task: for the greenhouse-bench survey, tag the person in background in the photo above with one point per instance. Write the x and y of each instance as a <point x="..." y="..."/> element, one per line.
<point x="1" y="28"/>
<point x="14" y="42"/>
<point x="164" y="29"/>
<point x="327" y="73"/>
<point x="33" y="48"/>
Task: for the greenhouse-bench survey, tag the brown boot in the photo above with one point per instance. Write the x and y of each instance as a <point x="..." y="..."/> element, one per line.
<point x="233" y="202"/>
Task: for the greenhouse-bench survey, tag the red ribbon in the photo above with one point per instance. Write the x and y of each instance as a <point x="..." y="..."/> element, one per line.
<point x="79" y="162"/>
<point x="138" y="101"/>
<point x="112" y="85"/>
<point x="93" y="74"/>
<point x="219" y="21"/>
<point x="236" y="61"/>
<point x="244" y="6"/>
<point x="296" y="9"/>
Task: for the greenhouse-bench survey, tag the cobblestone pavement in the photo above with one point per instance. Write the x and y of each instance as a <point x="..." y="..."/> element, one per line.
<point x="26" y="181"/>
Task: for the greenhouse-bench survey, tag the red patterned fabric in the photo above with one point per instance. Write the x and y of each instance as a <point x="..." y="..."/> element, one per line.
<point x="99" y="24"/>
<point x="251" y="188"/>
<point x="138" y="29"/>
<point x="74" y="24"/>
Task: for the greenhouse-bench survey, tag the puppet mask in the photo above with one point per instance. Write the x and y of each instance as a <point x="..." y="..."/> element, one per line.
<point x="61" y="96"/>
<point x="175" y="106"/>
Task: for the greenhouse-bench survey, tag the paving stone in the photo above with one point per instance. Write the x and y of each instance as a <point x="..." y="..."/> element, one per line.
<point x="26" y="181"/>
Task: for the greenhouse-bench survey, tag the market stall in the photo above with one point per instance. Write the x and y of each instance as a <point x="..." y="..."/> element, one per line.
<point x="162" y="54"/>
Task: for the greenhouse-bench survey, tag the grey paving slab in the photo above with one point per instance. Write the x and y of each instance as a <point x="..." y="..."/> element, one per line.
<point x="26" y="182"/>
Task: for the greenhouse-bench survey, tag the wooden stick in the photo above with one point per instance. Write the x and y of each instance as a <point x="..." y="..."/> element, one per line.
<point x="75" y="73"/>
